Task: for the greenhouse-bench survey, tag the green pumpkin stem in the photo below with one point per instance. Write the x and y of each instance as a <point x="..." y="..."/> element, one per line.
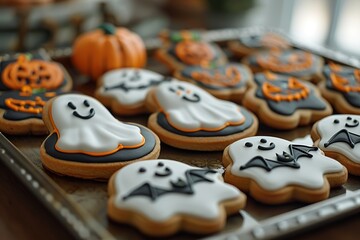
<point x="108" y="28"/>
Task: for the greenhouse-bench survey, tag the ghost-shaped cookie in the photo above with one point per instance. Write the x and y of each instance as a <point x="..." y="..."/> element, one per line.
<point x="275" y="170"/>
<point x="170" y="196"/>
<point x="124" y="90"/>
<point x="187" y="116"/>
<point x="85" y="134"/>
<point x="339" y="137"/>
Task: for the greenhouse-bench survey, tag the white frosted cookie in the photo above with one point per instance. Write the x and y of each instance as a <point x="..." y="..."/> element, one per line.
<point x="169" y="196"/>
<point x="275" y="170"/>
<point x="338" y="136"/>
<point x="124" y="90"/>
<point x="186" y="116"/>
<point x="86" y="141"/>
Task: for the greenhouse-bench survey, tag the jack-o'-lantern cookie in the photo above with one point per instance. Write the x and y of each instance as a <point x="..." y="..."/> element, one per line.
<point x="228" y="81"/>
<point x="296" y="63"/>
<point x="86" y="141"/>
<point x="285" y="102"/>
<point x="124" y="90"/>
<point x="21" y="111"/>
<point x="33" y="70"/>
<point x="247" y="45"/>
<point x="339" y="137"/>
<point x="186" y="116"/>
<point x="185" y="48"/>
<point x="274" y="170"/>
<point x="342" y="88"/>
<point x="162" y="197"/>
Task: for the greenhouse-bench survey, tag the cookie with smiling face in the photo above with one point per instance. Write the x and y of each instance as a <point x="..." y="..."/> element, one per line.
<point x="86" y="141"/>
<point x="339" y="137"/>
<point x="274" y="170"/>
<point x="162" y="197"/>
<point x="124" y="90"/>
<point x="284" y="102"/>
<point x="342" y="88"/>
<point x="296" y="63"/>
<point x="186" y="116"/>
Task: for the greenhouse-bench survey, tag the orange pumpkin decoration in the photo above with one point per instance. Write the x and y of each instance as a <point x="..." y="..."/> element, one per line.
<point x="194" y="53"/>
<point x="33" y="73"/>
<point x="107" y="48"/>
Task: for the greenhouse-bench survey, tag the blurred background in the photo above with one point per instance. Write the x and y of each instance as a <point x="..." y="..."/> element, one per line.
<point x="30" y="24"/>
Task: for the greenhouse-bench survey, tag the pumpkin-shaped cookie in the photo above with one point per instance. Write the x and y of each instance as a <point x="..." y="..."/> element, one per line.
<point x="107" y="48"/>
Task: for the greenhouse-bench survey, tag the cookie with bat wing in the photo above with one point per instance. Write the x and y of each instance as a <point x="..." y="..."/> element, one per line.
<point x="86" y="141"/>
<point x="274" y="170"/>
<point x="186" y="116"/>
<point x="338" y="136"/>
<point x="162" y="197"/>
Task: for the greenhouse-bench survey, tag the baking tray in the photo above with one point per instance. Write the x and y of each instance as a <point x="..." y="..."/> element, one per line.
<point x="80" y="205"/>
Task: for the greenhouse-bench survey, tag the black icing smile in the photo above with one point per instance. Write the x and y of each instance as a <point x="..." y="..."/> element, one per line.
<point x="264" y="148"/>
<point x="76" y="114"/>
<point x="187" y="97"/>
<point x="353" y="122"/>
<point x="163" y="173"/>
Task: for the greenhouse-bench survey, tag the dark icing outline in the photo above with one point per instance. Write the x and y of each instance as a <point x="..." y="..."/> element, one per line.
<point x="286" y="108"/>
<point x="192" y="176"/>
<point x="162" y="121"/>
<point x="122" y="155"/>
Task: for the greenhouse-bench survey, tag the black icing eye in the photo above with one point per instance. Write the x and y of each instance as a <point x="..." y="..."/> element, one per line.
<point x="263" y="140"/>
<point x="349" y="118"/>
<point x="71" y="105"/>
<point x="86" y="103"/>
<point x="172" y="90"/>
<point x="356" y="121"/>
<point x="142" y="170"/>
<point x="160" y="164"/>
<point x="248" y="144"/>
<point x="336" y="121"/>
<point x="181" y="88"/>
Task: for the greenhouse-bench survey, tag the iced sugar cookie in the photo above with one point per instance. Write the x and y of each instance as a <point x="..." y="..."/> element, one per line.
<point x="186" y="48"/>
<point x="86" y="141"/>
<point x="296" y="63"/>
<point x="338" y="136"/>
<point x="124" y="90"/>
<point x="251" y="44"/>
<point x="35" y="70"/>
<point x="186" y="116"/>
<point x="342" y="88"/>
<point x="284" y="102"/>
<point x="162" y="197"/>
<point x="228" y="81"/>
<point x="274" y="170"/>
<point x="21" y="111"/>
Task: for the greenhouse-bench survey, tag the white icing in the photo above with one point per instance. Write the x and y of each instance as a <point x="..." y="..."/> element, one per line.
<point x="101" y="133"/>
<point x="203" y="203"/>
<point x="128" y="77"/>
<point x="309" y="175"/>
<point x="326" y="129"/>
<point x="209" y="113"/>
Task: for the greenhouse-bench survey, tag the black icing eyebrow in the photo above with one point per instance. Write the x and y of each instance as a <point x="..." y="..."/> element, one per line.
<point x="71" y="105"/>
<point x="86" y="103"/>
